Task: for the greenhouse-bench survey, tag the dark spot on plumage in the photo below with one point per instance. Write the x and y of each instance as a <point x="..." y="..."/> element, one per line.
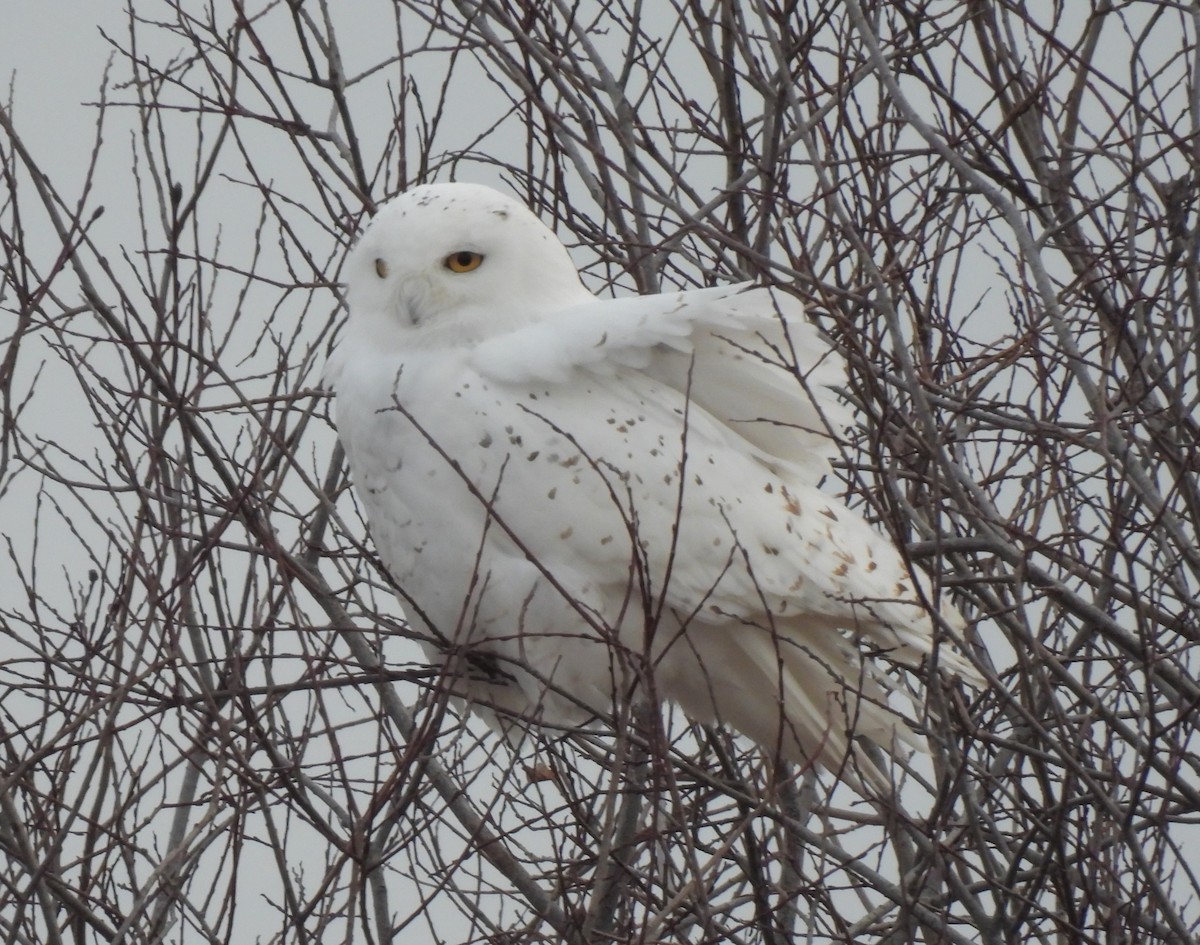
<point x="768" y="489"/>
<point x="841" y="569"/>
<point x="566" y="533"/>
<point x="552" y="493"/>
<point x="828" y="513"/>
<point x="483" y="666"/>
<point x="568" y="463"/>
<point x="486" y="441"/>
<point x="532" y="456"/>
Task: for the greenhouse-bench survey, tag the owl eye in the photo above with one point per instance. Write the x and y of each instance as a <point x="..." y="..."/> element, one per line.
<point x="464" y="261"/>
<point x="381" y="269"/>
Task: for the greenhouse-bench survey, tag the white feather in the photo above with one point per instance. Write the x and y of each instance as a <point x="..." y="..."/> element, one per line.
<point x="587" y="498"/>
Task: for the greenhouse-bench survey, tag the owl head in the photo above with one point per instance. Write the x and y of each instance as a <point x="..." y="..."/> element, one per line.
<point x="455" y="264"/>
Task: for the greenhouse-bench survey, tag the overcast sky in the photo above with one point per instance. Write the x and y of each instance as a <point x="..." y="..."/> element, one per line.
<point x="53" y="55"/>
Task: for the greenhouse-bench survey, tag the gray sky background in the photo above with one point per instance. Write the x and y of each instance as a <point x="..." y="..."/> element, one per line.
<point x="54" y="56"/>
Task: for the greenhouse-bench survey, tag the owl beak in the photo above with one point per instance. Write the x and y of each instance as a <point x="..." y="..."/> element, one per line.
<point x="413" y="301"/>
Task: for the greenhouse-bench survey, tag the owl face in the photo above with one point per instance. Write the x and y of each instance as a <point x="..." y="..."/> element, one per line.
<point x="458" y="261"/>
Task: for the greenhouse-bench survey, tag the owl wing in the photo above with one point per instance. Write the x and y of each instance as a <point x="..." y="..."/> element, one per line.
<point x="758" y="370"/>
<point x="748" y="356"/>
<point x="746" y="573"/>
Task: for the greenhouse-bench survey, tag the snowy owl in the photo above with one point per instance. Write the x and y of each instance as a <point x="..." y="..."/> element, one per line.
<point x="585" y="501"/>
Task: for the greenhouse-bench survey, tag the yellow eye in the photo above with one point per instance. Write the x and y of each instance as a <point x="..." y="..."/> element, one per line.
<point x="464" y="261"/>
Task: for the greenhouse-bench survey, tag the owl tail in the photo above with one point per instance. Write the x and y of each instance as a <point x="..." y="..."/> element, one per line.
<point x="804" y="697"/>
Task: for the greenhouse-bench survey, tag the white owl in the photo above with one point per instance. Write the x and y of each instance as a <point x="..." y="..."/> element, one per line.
<point x="585" y="500"/>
